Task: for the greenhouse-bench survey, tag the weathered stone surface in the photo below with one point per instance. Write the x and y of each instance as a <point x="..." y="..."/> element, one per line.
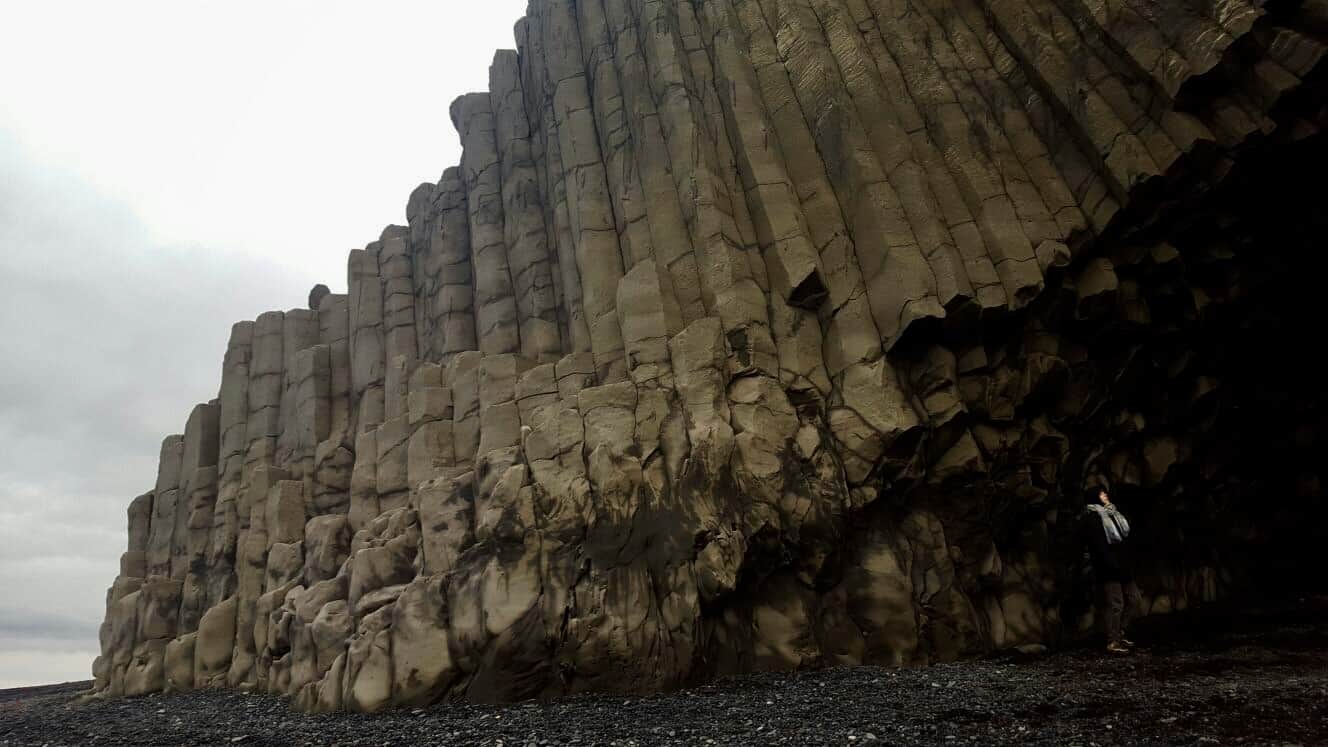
<point x="214" y="644"/>
<point x="326" y="547"/>
<point x="765" y="334"/>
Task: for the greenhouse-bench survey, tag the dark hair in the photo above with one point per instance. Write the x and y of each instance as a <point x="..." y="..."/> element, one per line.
<point x="1094" y="489"/>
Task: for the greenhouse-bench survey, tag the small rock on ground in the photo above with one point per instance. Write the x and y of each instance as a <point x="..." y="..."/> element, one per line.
<point x="1256" y="677"/>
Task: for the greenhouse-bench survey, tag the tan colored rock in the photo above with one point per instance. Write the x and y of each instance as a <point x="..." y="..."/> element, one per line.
<point x="422" y="667"/>
<point x="755" y="334"/>
<point x="145" y="672"/>
<point x="446" y="521"/>
<point x="178" y="663"/>
<point x="392" y="473"/>
<point x="158" y="608"/>
<point x="214" y="644"/>
<point x="165" y="504"/>
<point x="326" y="547"/>
<point x="497" y="327"/>
<point x="574" y="372"/>
<point x="429" y="404"/>
<point x="367" y="684"/>
<point x="364" y="504"/>
<point x="383" y="554"/>
<point x="594" y="238"/>
<point x="285" y="564"/>
<point x="329" y="632"/>
<point x="285" y="512"/>
<point x="463" y="372"/>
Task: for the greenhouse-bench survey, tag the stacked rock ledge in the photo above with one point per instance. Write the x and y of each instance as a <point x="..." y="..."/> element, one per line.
<point x="763" y="335"/>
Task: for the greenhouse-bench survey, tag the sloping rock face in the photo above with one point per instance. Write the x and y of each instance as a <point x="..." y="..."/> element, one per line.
<point x="765" y="334"/>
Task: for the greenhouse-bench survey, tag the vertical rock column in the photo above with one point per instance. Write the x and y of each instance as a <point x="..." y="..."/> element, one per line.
<point x="615" y="135"/>
<point x="850" y="330"/>
<point x="333" y="457"/>
<point x="368" y="369"/>
<point x="797" y="284"/>
<point x="119" y="629"/>
<point x="399" y="337"/>
<point x="295" y="447"/>
<point x="153" y="622"/>
<point x="165" y="500"/>
<point x="670" y="242"/>
<point x="589" y="209"/>
<point x="523" y="215"/>
<point x="649" y="315"/>
<point x="189" y="560"/>
<point x="266" y="388"/>
<point x="725" y="272"/>
<point x="498" y="472"/>
<point x="232" y="414"/>
<point x="950" y="117"/>
<point x="368" y="358"/>
<point x="429" y="452"/>
<point x="263" y="428"/>
<point x="814" y="119"/>
<point x="498" y="329"/>
<point x="422" y="222"/>
<point x="312" y="417"/>
<point x="537" y="88"/>
<point x="1042" y="201"/>
<point x="440" y="251"/>
<point x="463" y="375"/>
<point x="885" y="122"/>
<point x="700" y="78"/>
<point x="451" y="243"/>
<point x="900" y="284"/>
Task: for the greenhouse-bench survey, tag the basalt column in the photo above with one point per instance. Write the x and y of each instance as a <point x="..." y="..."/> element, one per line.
<point x="765" y="335"/>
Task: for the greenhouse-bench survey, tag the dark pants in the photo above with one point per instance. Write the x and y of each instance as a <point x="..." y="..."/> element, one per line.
<point x="1121" y="603"/>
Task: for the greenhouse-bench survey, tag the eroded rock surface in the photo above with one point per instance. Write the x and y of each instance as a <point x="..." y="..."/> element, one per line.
<point x="762" y="335"/>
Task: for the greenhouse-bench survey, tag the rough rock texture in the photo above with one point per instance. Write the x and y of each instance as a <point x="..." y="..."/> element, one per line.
<point x="1220" y="674"/>
<point x="767" y="334"/>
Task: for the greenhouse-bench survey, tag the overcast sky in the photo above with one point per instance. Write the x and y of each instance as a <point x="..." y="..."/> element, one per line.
<point x="168" y="168"/>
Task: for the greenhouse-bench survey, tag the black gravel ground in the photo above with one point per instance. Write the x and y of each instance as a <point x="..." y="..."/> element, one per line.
<point x="1223" y="677"/>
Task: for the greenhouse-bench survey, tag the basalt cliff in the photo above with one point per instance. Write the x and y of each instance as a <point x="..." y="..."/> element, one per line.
<point x="769" y="334"/>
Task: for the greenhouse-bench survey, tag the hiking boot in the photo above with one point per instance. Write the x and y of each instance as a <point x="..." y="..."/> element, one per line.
<point x="1116" y="647"/>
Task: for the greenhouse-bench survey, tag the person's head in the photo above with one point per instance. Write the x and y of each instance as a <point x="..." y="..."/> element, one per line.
<point x="1098" y="494"/>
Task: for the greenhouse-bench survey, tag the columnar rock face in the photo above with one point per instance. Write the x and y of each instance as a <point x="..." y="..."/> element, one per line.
<point x="766" y="334"/>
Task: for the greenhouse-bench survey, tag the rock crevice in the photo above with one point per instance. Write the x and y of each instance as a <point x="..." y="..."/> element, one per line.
<point x="766" y="334"/>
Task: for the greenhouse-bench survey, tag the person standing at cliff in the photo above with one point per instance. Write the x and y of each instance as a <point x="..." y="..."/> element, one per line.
<point x="1107" y="536"/>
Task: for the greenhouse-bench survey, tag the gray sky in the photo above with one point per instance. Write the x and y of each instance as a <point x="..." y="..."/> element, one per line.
<point x="166" y="169"/>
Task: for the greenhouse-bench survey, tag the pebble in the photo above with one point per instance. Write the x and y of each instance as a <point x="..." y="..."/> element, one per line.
<point x="1168" y="694"/>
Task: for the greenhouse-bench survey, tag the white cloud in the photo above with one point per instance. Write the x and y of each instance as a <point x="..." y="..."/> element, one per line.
<point x="167" y="169"/>
<point x="292" y="130"/>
